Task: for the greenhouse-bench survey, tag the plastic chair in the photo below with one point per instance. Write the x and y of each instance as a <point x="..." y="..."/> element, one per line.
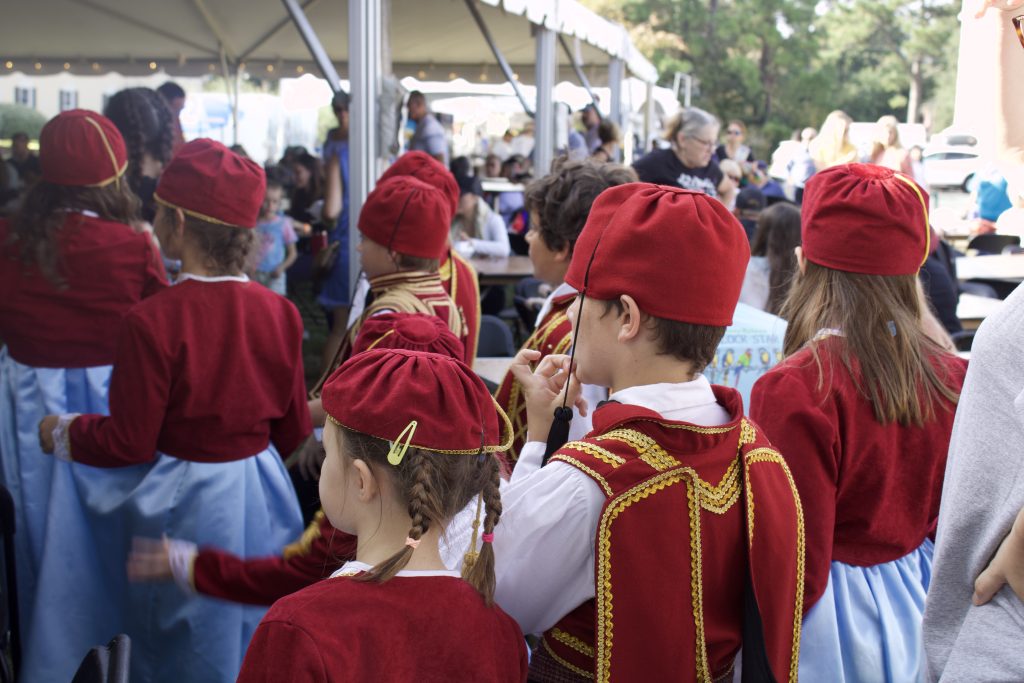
<point x="992" y="243"/>
<point x="495" y="338"/>
<point x="106" y="664"/>
<point x="10" y="630"/>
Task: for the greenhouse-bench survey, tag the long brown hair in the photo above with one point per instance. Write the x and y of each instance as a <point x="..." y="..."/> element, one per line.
<point x="776" y="237"/>
<point x="436" y="487"/>
<point x="44" y="209"/>
<point x="884" y="350"/>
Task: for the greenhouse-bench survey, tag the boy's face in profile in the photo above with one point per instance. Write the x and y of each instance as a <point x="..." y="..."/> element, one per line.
<point x="596" y="340"/>
<point x="374" y="258"/>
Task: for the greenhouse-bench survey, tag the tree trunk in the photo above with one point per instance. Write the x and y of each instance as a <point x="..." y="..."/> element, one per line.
<point x="914" y="96"/>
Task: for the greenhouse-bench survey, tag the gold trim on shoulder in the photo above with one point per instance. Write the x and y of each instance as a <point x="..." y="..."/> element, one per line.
<point x="568" y="665"/>
<point x="305" y="542"/>
<point x="572" y="641"/>
<point x="648" y="450"/>
<point x="580" y="466"/>
<point x="601" y="454"/>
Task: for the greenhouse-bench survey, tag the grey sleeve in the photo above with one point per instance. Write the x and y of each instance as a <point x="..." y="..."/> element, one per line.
<point x="988" y="646"/>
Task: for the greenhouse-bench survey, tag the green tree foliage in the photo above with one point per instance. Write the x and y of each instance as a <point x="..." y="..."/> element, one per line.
<point x="15" y="118"/>
<point x="780" y="65"/>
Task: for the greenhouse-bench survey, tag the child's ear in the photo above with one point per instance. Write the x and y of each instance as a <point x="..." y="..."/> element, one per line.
<point x="563" y="254"/>
<point x="630" y="323"/>
<point x="366" y="484"/>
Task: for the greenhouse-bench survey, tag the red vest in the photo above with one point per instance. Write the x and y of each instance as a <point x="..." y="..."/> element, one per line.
<point x="553" y="335"/>
<point x="403" y="292"/>
<point x="671" y="554"/>
<point x="463" y="287"/>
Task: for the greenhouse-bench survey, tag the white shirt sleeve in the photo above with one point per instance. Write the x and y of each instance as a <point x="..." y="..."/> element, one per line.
<point x="495" y="238"/>
<point x="544" y="543"/>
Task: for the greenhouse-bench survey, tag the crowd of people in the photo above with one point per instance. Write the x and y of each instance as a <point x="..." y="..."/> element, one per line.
<point x="721" y="453"/>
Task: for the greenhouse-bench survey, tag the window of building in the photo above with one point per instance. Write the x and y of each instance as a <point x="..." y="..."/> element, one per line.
<point x="25" y="97"/>
<point x="68" y="99"/>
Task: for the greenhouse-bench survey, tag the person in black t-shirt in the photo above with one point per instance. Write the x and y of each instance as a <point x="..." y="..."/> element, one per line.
<point x="688" y="162"/>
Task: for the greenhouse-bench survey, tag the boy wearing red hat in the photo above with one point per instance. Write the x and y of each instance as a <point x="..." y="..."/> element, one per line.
<point x="404" y="229"/>
<point x="863" y="409"/>
<point x="457" y="275"/>
<point x="321" y="548"/>
<point x="72" y="264"/>
<point x="672" y="534"/>
<point x="207" y="391"/>
<point x="559" y="204"/>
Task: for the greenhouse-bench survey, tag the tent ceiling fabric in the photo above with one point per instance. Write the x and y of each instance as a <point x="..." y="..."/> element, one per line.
<point x="430" y="39"/>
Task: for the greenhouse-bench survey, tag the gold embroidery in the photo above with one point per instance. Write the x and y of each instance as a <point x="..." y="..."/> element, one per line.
<point x="571" y="667"/>
<point x="747" y="432"/>
<point x="572" y="641"/>
<point x="579" y="465"/>
<point x="769" y="455"/>
<point x="647" y="448"/>
<point x="719" y="499"/>
<point x="601" y="454"/>
<point x="305" y="542"/>
<point x="605" y="622"/>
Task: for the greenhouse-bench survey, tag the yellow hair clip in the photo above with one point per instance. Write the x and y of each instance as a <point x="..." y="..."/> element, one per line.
<point x="400" y="445"/>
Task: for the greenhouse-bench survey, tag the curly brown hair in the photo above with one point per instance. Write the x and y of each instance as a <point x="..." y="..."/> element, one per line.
<point x="35" y="226"/>
<point x="561" y="200"/>
<point x="226" y="248"/>
<point x="147" y="124"/>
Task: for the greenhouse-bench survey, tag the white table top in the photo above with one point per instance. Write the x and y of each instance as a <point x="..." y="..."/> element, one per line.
<point x="998" y="267"/>
<point x="974" y="307"/>
<point x="492" y="368"/>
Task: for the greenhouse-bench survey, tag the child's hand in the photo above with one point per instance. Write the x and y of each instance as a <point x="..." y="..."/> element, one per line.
<point x="544" y="388"/>
<point x="1007" y="567"/>
<point x="46" y="426"/>
<point x="150" y="560"/>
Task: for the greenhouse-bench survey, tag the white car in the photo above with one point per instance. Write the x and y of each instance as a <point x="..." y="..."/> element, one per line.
<point x="952" y="165"/>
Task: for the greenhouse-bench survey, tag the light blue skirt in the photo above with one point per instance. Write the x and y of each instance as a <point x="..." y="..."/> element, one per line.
<point x="75" y="525"/>
<point x="246" y="507"/>
<point x="866" y="628"/>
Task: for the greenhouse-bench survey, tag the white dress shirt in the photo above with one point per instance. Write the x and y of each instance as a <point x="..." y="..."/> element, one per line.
<point x="544" y="544"/>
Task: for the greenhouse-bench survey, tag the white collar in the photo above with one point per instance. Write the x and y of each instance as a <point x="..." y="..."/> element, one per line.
<point x="561" y="290"/>
<point x="353" y="567"/>
<point x="692" y="401"/>
<point x="204" y="278"/>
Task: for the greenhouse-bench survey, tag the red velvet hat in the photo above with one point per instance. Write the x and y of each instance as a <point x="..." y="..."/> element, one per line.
<point x="83" y="148"/>
<point x="388" y="393"/>
<point x="208" y="181"/>
<point x="409" y="331"/>
<point x="680" y="254"/>
<point x="862" y="218"/>
<point x="424" y="167"/>
<point x="408" y="216"/>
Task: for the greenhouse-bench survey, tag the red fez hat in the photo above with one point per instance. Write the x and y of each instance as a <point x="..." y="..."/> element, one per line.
<point x="208" y="181"/>
<point x="680" y="254"/>
<point x="408" y="216"/>
<point x="862" y="218"/>
<point x="426" y="400"/>
<point x="80" y="147"/>
<point x="422" y="166"/>
<point x="409" y="331"/>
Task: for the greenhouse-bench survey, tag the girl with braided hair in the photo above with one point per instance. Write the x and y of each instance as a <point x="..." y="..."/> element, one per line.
<point x="414" y="450"/>
<point x="147" y="124"/>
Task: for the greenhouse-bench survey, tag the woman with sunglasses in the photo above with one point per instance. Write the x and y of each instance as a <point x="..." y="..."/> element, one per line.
<point x="688" y="162"/>
<point x="734" y="147"/>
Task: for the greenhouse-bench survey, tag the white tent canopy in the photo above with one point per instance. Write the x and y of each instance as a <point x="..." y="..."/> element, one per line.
<point x="429" y="39"/>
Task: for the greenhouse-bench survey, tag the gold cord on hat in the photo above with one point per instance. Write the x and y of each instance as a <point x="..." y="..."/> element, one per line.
<point x="924" y="207"/>
<point x="118" y="172"/>
<point x="471" y="556"/>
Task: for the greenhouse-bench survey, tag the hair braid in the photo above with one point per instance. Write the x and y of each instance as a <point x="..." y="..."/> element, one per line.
<point x="480" y="572"/>
<point x="419" y="491"/>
